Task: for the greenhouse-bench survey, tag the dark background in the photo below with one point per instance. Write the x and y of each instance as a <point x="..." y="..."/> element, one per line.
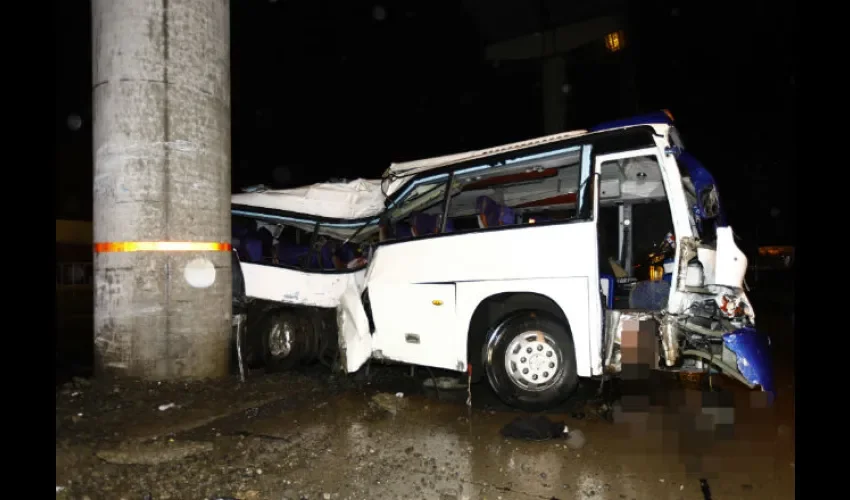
<point x="328" y="90"/>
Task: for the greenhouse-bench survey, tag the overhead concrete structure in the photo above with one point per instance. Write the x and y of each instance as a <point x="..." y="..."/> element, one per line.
<point x="550" y="47"/>
<point x="161" y="106"/>
<point x="544" y="30"/>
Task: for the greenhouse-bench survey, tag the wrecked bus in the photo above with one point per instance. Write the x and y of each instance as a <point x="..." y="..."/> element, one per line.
<point x="525" y="264"/>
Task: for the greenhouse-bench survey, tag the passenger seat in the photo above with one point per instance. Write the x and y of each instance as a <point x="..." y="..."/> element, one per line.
<point x="491" y="214"/>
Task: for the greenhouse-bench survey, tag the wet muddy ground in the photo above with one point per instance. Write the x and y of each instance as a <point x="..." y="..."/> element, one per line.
<point x="310" y="434"/>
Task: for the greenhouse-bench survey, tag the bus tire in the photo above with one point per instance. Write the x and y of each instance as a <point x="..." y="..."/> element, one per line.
<point x="530" y="361"/>
<point x="281" y="341"/>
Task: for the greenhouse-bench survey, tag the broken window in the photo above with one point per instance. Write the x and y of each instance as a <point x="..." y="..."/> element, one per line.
<point x="417" y="212"/>
<point x="537" y="189"/>
<point x="303" y="244"/>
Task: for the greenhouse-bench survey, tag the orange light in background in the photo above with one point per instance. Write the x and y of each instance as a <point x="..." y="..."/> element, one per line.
<point x="162" y="246"/>
<point x="532" y="220"/>
<point x="656" y="273"/>
<point x="776" y="251"/>
<point x="669" y="114"/>
<point x="614" y="41"/>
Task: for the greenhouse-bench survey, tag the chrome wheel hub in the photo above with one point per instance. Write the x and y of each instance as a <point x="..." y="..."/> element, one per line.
<point x="533" y="360"/>
<point x="280" y="340"/>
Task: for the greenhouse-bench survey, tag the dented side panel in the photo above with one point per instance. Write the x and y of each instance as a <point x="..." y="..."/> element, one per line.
<point x="730" y="263"/>
<point x="752" y="350"/>
<point x="355" y="340"/>
<point x="289" y="286"/>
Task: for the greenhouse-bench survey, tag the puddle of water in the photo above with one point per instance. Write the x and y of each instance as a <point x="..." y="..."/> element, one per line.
<point x="440" y="445"/>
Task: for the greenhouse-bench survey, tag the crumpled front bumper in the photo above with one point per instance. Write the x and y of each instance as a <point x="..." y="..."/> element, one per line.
<point x="754" y="360"/>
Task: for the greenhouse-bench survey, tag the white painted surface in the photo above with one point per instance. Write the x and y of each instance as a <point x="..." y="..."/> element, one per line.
<point x="730" y="265"/>
<point x="431" y="287"/>
<point x="353" y="200"/>
<point x="404" y="278"/>
<point x="604" y="284"/>
<point x="424" y="310"/>
<point x="290" y="286"/>
<point x="355" y="340"/>
<point x="199" y="273"/>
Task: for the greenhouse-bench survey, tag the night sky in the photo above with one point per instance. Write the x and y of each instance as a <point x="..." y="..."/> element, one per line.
<point x="342" y="88"/>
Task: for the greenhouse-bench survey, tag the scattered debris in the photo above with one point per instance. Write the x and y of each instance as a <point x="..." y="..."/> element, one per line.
<point x="388" y="402"/>
<point x="60" y="489"/>
<point x="706" y="491"/>
<point x="534" y="428"/>
<point x="576" y="439"/>
<point x="399" y="395"/>
<point x="167" y="406"/>
<point x="153" y="454"/>
<point x="605" y="412"/>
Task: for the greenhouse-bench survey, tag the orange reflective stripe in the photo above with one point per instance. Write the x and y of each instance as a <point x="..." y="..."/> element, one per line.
<point x="162" y="246"/>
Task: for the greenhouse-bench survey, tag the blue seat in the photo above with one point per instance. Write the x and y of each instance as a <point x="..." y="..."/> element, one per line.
<point x="291" y="255"/>
<point x="346" y="253"/>
<point x="250" y="245"/>
<point x="422" y="224"/>
<point x="651" y="295"/>
<point x="265" y="236"/>
<point x="402" y="230"/>
<point x="251" y="249"/>
<point x="491" y="214"/>
<point x="294" y="255"/>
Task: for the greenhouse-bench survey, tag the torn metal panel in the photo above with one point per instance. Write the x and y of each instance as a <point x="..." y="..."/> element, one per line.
<point x="289" y="286"/>
<point x="753" y="356"/>
<point x="687" y="252"/>
<point x="730" y="264"/>
<point x="705" y="189"/>
<point x="723" y="266"/>
<point x="353" y="200"/>
<point x="355" y="341"/>
<point x="669" y="340"/>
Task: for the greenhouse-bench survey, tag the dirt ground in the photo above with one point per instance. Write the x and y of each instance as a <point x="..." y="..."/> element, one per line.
<point x="315" y="436"/>
<point x="309" y="434"/>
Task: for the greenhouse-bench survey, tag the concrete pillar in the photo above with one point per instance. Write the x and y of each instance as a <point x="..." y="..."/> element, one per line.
<point x="161" y="102"/>
<point x="554" y="98"/>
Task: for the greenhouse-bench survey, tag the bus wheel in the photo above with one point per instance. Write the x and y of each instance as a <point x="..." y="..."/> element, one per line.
<point x="530" y="361"/>
<point x="281" y="338"/>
